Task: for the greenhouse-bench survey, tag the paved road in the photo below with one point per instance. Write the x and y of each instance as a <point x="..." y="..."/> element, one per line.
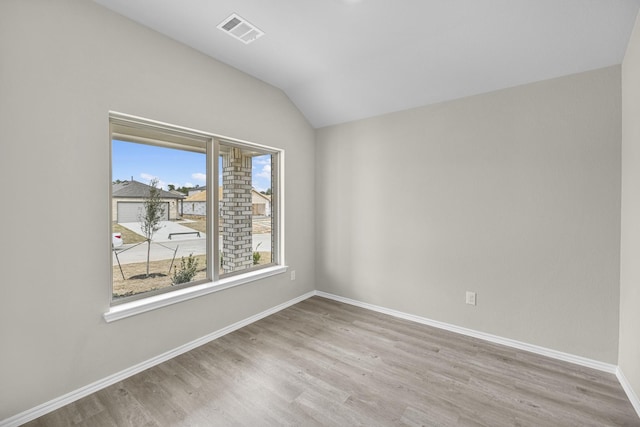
<point x="163" y="248"/>
<point x="166" y="229"/>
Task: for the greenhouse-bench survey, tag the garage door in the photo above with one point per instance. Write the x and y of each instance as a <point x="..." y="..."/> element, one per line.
<point x="130" y="211"/>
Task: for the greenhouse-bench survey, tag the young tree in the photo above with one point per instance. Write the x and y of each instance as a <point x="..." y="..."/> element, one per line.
<point x="151" y="215"/>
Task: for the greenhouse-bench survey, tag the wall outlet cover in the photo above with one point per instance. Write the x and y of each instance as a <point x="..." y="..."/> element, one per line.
<point x="471" y="298"/>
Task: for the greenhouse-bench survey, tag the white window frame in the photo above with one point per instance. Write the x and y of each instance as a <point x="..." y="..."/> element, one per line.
<point x="138" y="129"/>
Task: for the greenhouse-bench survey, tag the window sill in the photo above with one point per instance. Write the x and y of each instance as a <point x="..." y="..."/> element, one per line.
<point x="157" y="301"/>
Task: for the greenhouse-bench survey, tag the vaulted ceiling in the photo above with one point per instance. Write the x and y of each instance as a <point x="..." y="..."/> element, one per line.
<point x="342" y="60"/>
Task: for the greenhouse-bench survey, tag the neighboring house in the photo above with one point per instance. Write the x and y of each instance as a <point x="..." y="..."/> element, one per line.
<point x="196" y="190"/>
<point x="196" y="202"/>
<point x="127" y="201"/>
<point x="261" y="203"/>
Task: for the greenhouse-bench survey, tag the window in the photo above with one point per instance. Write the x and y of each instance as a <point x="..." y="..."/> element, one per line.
<point x="247" y="221"/>
<point x="173" y="226"/>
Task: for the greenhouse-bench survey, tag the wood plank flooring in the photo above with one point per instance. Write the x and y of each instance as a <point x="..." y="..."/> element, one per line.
<point x="324" y="363"/>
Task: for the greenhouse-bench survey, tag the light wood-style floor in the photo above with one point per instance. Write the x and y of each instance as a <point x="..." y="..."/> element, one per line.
<point x="321" y="362"/>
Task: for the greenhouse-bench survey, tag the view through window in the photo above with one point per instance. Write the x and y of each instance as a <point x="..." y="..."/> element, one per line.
<point x="155" y="245"/>
<point x="245" y="191"/>
<point x="168" y="218"/>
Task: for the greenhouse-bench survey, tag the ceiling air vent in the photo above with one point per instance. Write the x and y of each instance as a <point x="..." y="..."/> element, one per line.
<point x="240" y="29"/>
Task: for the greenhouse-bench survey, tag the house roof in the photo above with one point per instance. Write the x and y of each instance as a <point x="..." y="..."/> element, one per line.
<point x="264" y="196"/>
<point x="197" y="197"/>
<point x="136" y="190"/>
<point x="343" y="60"/>
<point x="198" y="188"/>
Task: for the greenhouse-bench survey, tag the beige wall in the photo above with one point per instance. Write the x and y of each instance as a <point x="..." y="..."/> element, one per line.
<point x="629" y="358"/>
<point x="64" y="65"/>
<point x="513" y="194"/>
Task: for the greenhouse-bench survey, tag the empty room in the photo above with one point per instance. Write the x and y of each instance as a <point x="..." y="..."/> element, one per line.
<point x="427" y="213"/>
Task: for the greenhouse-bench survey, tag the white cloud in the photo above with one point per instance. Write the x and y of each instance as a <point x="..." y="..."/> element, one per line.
<point x="147" y="178"/>
<point x="264" y="160"/>
<point x="265" y="172"/>
<point x="199" y="176"/>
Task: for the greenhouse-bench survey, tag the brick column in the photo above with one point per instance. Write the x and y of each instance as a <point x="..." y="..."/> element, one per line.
<point x="237" y="250"/>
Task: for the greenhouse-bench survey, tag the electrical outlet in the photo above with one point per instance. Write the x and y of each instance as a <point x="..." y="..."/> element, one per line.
<point x="471" y="298"/>
<point x="293" y="275"/>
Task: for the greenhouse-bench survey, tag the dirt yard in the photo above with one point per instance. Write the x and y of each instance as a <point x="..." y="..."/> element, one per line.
<point x="160" y="277"/>
<point x="135" y="281"/>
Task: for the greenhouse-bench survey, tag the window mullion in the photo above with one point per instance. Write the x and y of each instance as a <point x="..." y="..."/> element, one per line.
<point x="213" y="225"/>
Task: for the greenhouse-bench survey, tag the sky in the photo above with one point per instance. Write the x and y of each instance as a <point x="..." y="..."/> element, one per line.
<point x="170" y="166"/>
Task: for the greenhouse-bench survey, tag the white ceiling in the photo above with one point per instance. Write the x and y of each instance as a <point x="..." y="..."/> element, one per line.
<point x="342" y="60"/>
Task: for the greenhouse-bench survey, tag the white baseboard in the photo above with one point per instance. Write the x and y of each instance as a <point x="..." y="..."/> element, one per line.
<point x="578" y="360"/>
<point x="52" y="405"/>
<point x="633" y="397"/>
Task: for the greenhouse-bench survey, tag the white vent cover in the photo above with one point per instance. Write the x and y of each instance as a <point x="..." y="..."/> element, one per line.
<point x="240" y="29"/>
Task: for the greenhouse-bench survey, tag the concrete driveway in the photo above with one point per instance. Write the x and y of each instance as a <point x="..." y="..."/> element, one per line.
<point x="167" y="228"/>
<point x="185" y="243"/>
